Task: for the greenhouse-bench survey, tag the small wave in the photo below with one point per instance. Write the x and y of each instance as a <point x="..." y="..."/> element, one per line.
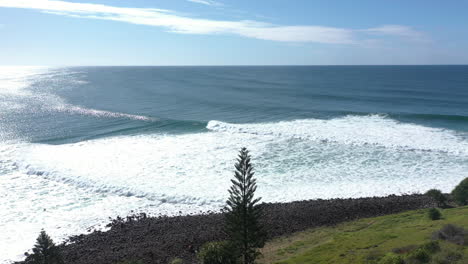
<point x="440" y="117"/>
<point x="100" y="113"/>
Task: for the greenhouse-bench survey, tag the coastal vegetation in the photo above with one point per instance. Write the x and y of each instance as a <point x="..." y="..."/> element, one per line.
<point x="408" y="237"/>
<point x="44" y="251"/>
<point x="438" y="196"/>
<point x="434" y="214"/>
<point x="243" y="227"/>
<point x="460" y="193"/>
<point x="244" y="231"/>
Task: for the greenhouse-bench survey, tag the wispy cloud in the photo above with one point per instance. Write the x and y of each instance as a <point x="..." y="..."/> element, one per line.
<point x="174" y="22"/>
<point x="206" y="2"/>
<point x="397" y="30"/>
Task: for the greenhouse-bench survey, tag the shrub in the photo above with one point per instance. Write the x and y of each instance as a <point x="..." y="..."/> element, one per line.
<point x="217" y="253"/>
<point x="460" y="193"/>
<point x="431" y="247"/>
<point x="374" y="256"/>
<point x="44" y="251"/>
<point x="243" y="213"/>
<point x="131" y="262"/>
<point x="391" y="259"/>
<point x="438" y="196"/>
<point x="405" y="249"/>
<point x="176" y="261"/>
<point x="420" y="255"/>
<point x="434" y="214"/>
<point x="451" y="233"/>
<point x="447" y="257"/>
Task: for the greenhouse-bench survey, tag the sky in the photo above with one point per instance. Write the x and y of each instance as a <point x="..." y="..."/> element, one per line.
<point x="236" y="32"/>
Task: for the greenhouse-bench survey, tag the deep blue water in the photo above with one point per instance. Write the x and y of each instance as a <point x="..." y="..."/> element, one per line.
<point x="184" y="99"/>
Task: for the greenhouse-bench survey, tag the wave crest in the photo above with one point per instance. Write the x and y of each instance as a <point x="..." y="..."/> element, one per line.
<point x="356" y="130"/>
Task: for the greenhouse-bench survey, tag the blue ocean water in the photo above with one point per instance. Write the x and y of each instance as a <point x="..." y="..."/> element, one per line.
<point x="81" y="144"/>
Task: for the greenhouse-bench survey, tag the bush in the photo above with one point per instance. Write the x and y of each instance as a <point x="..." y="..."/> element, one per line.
<point x="447" y="257"/>
<point x="374" y="256"/>
<point x="391" y="259"/>
<point x="405" y="249"/>
<point x="438" y="196"/>
<point x="44" y="251"/>
<point x="431" y="247"/>
<point x="420" y="255"/>
<point x="217" y="253"/>
<point x="177" y="261"/>
<point x="131" y="262"/>
<point x="460" y="193"/>
<point x="434" y="214"/>
<point x="451" y="233"/>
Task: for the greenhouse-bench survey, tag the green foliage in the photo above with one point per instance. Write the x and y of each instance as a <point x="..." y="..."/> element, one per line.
<point x="420" y="255"/>
<point x="434" y="214"/>
<point x="44" y="251"/>
<point x="353" y="242"/>
<point x="431" y="247"/>
<point x="460" y="193"/>
<point x="217" y="253"/>
<point x="405" y="249"/>
<point x="391" y="259"/>
<point x="243" y="213"/>
<point x="131" y="262"/>
<point x="438" y="196"/>
<point x="447" y="257"/>
<point x="177" y="261"/>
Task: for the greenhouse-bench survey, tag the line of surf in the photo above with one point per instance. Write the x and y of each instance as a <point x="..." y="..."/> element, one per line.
<point x="378" y="130"/>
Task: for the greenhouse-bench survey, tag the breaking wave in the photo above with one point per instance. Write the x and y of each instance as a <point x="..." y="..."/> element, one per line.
<point x="357" y="130"/>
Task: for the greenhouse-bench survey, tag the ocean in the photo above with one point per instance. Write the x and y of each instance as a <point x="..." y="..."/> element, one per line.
<point x="81" y="144"/>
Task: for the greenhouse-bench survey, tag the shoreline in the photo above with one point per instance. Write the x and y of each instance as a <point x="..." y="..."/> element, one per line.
<point x="162" y="238"/>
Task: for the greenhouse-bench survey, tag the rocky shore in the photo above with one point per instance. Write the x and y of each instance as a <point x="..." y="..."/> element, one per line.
<point x="160" y="239"/>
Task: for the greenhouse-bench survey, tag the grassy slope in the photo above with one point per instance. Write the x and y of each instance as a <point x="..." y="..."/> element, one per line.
<point x="353" y="242"/>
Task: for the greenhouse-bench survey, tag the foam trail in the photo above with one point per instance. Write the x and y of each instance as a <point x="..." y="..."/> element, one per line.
<point x="100" y="113"/>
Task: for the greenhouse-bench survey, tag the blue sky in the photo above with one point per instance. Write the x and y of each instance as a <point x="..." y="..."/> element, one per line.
<point x="237" y="32"/>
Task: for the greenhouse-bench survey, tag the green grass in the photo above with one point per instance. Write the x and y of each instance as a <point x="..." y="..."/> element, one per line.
<point x="365" y="239"/>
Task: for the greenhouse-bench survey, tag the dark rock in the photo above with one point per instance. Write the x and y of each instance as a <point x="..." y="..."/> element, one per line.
<point x="159" y="239"/>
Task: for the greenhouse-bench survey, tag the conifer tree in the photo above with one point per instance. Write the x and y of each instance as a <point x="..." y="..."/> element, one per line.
<point x="44" y="251"/>
<point x="245" y="232"/>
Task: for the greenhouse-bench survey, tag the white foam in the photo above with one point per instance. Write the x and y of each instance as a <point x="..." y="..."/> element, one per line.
<point x="357" y="130"/>
<point x="178" y="168"/>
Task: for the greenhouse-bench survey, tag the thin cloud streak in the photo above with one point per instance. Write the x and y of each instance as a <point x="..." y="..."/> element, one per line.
<point x="173" y="22"/>
<point x="397" y="30"/>
<point x="206" y="2"/>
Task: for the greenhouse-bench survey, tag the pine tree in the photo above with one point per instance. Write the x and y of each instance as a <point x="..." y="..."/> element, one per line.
<point x="44" y="251"/>
<point x="245" y="232"/>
